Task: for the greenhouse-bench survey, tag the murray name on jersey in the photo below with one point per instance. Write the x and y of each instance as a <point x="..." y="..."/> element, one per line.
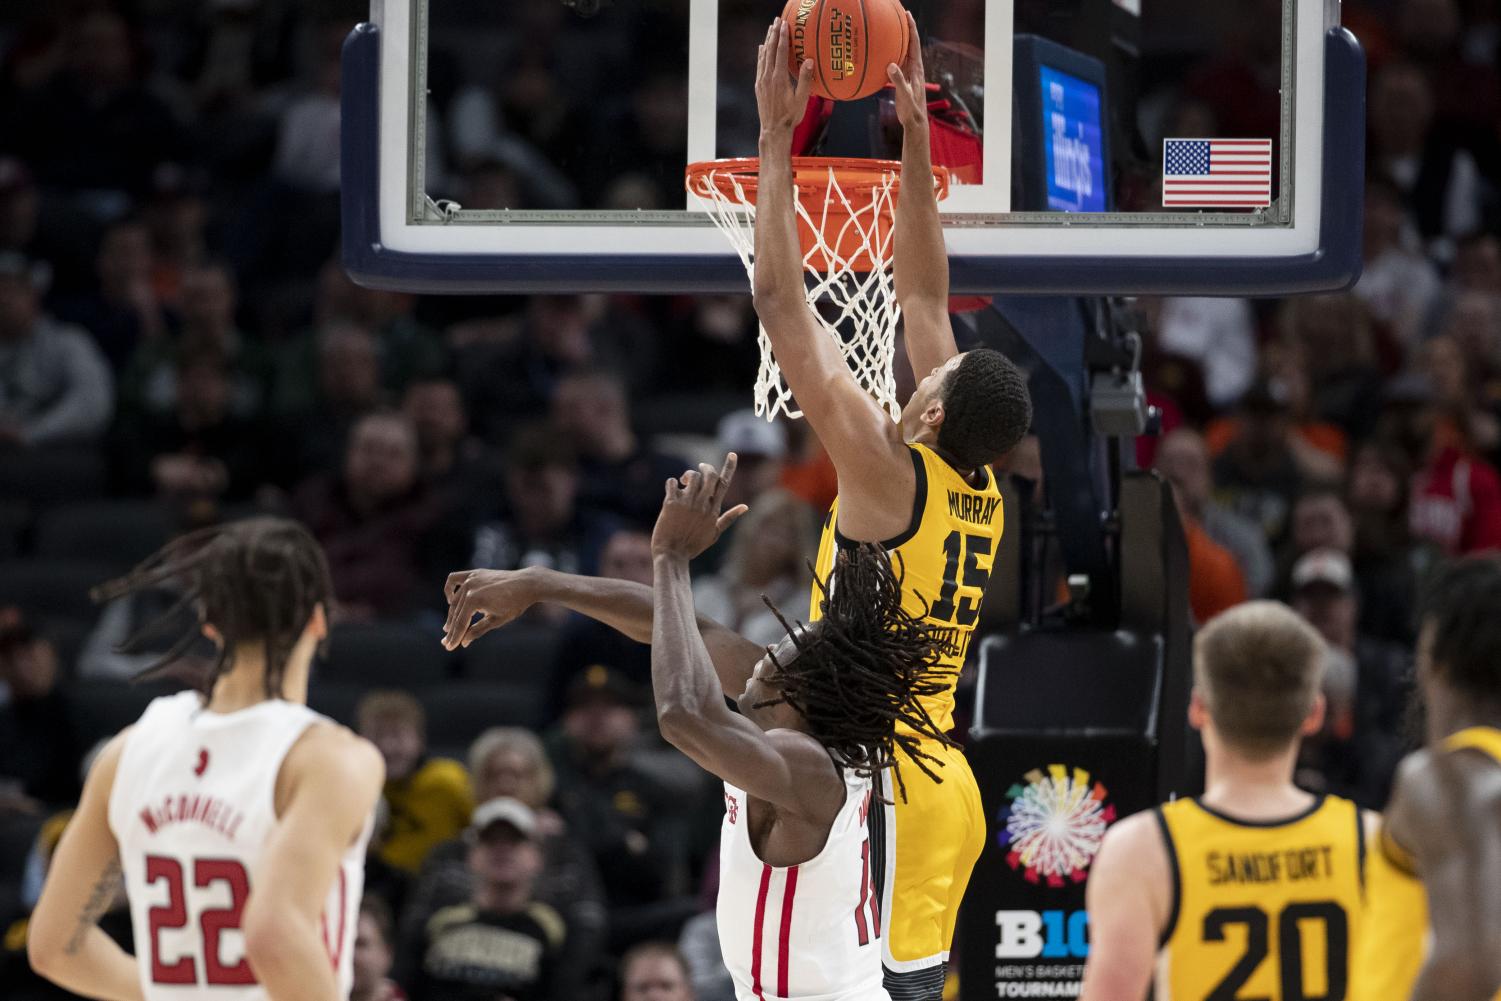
<point x="977" y="509"/>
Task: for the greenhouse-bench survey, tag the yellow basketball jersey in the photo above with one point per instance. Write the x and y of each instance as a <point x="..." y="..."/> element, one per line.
<point x="945" y="558"/>
<point x="1261" y="909"/>
<point x="1394" y="932"/>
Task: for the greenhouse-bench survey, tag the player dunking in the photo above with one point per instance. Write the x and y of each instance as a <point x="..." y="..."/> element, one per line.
<point x="921" y="488"/>
<point x="238" y="816"/>
<point x="1433" y="929"/>
<point x="1253" y="889"/>
<point x="821" y="712"/>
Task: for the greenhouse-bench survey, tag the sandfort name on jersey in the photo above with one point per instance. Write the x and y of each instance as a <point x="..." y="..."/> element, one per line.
<point x="210" y="811"/>
<point x="1291" y="865"/>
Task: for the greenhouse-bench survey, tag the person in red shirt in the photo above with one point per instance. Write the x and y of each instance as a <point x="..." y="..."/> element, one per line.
<point x="1456" y="496"/>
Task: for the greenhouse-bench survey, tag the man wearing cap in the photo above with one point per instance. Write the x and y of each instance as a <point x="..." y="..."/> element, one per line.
<point x="55" y="386"/>
<point x="502" y="944"/>
<point x="622" y="814"/>
<point x="1366" y="684"/>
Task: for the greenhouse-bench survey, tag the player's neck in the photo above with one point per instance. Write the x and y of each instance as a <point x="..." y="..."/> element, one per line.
<point x="244" y="683"/>
<point x="1252" y="789"/>
<point x="1449" y="712"/>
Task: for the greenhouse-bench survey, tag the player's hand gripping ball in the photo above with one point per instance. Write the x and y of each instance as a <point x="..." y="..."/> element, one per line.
<point x="851" y="42"/>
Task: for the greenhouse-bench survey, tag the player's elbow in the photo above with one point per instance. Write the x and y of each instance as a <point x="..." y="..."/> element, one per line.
<point x="267" y="930"/>
<point x="1461" y="974"/>
<point x="45" y="949"/>
<point x="678" y="723"/>
<point x="772" y="298"/>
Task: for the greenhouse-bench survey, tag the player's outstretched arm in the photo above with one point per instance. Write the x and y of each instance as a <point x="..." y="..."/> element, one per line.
<point x="1444" y="810"/>
<point x="866" y="447"/>
<point x="1129" y="897"/>
<point x="482" y="600"/>
<point x="789" y="770"/>
<point x="920" y="258"/>
<point x="326" y="792"/>
<point x="63" y="941"/>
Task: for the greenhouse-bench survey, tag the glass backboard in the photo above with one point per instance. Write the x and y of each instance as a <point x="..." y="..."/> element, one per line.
<point x="1095" y="146"/>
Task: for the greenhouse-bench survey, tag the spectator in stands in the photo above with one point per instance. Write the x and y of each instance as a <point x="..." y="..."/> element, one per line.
<point x="762" y="448"/>
<point x="1257" y="474"/>
<point x="1219" y="334"/>
<point x="320" y="399"/>
<point x="767" y="559"/>
<point x="654" y="971"/>
<point x="429" y="798"/>
<point x="1336" y="352"/>
<point x="1358" y="751"/>
<point x="1184" y="461"/>
<point x="199" y="450"/>
<point x="510" y="762"/>
<point x="1398" y="284"/>
<point x="1319" y="520"/>
<point x="374" y="944"/>
<point x="1387" y="564"/>
<point x="503" y="943"/>
<point x="1458" y="384"/>
<point x="123" y="311"/>
<point x="1215" y="583"/>
<point x="586" y="642"/>
<point x="619" y="810"/>
<point x="454" y="462"/>
<point x="405" y="348"/>
<point x="1456" y="495"/>
<point x="701" y="952"/>
<point x="1477" y="264"/>
<point x="379" y="524"/>
<point x="207" y="330"/>
<point x="307" y="146"/>
<point x="55" y="386"/>
<point x="1441" y="183"/>
<point x="544" y="525"/>
<point x="95" y="129"/>
<point x="619" y="473"/>
<point x="39" y="747"/>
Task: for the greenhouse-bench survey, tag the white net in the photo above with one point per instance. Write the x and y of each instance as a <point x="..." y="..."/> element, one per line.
<point x="851" y="291"/>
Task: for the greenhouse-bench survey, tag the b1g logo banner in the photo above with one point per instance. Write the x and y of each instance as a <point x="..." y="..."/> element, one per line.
<point x="1049" y="802"/>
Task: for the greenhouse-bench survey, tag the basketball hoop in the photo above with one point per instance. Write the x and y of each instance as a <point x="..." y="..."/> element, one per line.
<point x="845" y="218"/>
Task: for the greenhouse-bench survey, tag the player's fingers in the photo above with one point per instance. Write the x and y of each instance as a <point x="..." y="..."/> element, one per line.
<point x="804" y="88"/>
<point x="481" y="626"/>
<point x="783" y="40"/>
<point x="914" y="47"/>
<point x="727" y="471"/>
<point x="455" y="583"/>
<point x="730" y="517"/>
<point x="458" y="622"/>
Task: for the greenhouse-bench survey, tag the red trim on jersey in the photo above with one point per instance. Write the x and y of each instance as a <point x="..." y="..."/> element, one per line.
<point x="756" y="935"/>
<point x="784" y="940"/>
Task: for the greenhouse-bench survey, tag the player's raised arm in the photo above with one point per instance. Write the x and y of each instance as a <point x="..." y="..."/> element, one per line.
<point x="1129" y="899"/>
<point x="63" y="941"/>
<point x="1444" y="809"/>
<point x="789" y="770"/>
<point x="326" y="792"/>
<point x="921" y="261"/>
<point x="863" y="442"/>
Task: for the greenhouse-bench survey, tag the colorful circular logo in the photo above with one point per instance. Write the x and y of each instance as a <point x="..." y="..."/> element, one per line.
<point x="1053" y="825"/>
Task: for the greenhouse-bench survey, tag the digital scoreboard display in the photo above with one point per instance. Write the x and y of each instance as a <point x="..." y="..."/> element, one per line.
<point x="1073" y="142"/>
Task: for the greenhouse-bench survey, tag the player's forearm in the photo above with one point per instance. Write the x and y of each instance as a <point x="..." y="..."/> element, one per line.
<point x="1456" y="975"/>
<point x="627" y="607"/>
<point x="285" y="950"/>
<point x="92" y="966"/>
<point x="921" y="263"/>
<point x="778" y="263"/>
<point x="684" y="684"/>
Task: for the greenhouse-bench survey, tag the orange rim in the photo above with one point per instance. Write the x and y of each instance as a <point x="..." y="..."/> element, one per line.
<point x="809" y="173"/>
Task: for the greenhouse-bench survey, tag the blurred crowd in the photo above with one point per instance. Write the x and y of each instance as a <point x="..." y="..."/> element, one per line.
<point x="179" y="345"/>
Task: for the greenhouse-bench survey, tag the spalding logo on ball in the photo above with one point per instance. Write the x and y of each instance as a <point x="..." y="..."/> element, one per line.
<point x="851" y="42"/>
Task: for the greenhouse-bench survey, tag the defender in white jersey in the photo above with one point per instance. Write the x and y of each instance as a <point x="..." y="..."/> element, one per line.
<point x="237" y="815"/>
<point x="818" y="718"/>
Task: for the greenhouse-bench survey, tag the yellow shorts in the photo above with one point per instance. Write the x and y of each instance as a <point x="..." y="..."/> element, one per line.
<point x="930" y="842"/>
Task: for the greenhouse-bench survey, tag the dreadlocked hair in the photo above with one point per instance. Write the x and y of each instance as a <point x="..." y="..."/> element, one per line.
<point x="255" y="581"/>
<point x="859" y="677"/>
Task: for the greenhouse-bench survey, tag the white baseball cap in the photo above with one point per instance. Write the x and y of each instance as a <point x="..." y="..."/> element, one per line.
<point x="505" y="810"/>
<point x="1324" y="566"/>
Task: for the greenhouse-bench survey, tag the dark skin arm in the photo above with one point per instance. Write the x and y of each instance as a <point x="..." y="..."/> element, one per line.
<point x="921" y="265"/>
<point x="1446" y="811"/>
<point x="483" y="600"/>
<point x="786" y="768"/>
<point x="876" y="481"/>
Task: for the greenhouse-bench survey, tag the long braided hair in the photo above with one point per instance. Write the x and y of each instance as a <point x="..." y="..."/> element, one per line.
<point x="255" y="581"/>
<point x="859" y="675"/>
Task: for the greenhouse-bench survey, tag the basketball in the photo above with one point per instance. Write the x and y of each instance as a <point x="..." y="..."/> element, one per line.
<point x="851" y="42"/>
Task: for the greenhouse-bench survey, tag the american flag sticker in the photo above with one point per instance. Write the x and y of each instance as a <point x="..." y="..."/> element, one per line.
<point x="1216" y="173"/>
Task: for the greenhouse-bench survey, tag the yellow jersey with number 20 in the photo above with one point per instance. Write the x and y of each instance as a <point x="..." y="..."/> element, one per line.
<point x="945" y="558"/>
<point x="1261" y="910"/>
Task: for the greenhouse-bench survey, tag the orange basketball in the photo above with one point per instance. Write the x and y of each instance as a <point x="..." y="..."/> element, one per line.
<point x="851" y="42"/>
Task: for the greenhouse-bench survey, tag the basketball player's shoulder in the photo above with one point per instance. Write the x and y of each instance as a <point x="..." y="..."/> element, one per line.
<point x="1440" y="790"/>
<point x="1137" y="862"/>
<point x="333" y="750"/>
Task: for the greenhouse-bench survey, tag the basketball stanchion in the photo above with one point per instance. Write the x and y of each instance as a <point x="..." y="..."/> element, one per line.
<point x="845" y="221"/>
